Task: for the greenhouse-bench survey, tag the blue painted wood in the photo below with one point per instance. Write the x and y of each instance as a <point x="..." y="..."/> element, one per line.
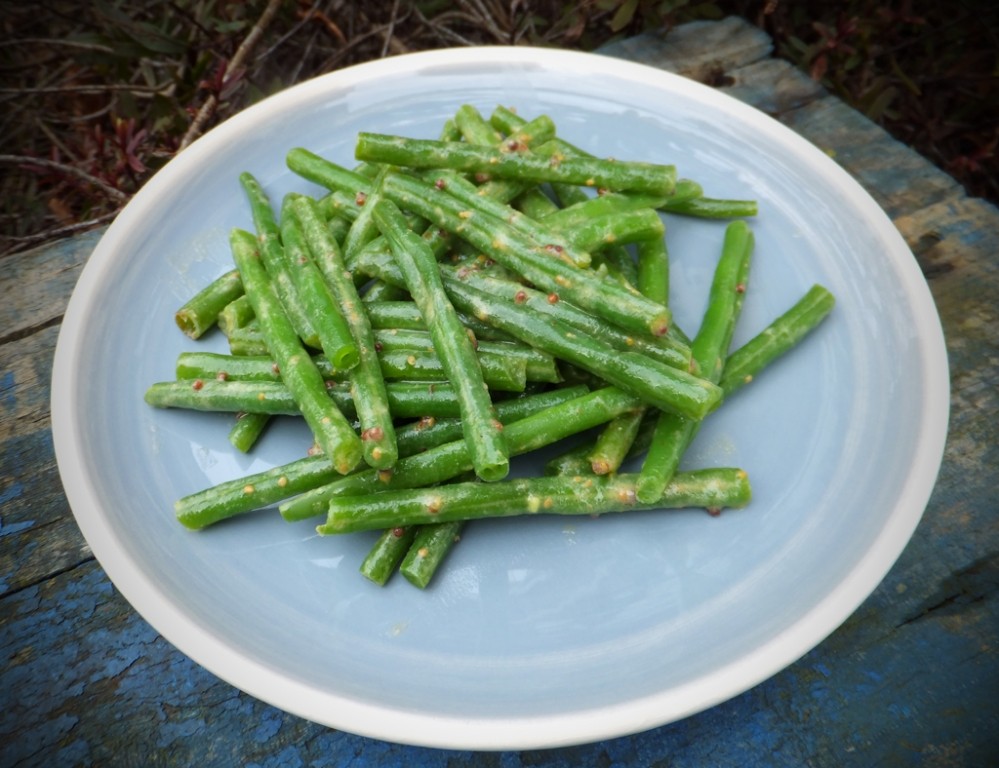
<point x="911" y="679"/>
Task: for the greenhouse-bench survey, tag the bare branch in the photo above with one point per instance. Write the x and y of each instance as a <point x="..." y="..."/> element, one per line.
<point x="55" y="41"/>
<point x="244" y="50"/>
<point x="88" y="88"/>
<point x="57" y="232"/>
<point x="71" y="170"/>
<point x="390" y="28"/>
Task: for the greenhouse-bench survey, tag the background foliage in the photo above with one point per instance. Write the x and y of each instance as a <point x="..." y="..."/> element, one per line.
<point x="96" y="96"/>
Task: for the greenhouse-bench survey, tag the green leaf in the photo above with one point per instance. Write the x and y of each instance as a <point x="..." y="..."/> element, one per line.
<point x="797" y="44"/>
<point x="145" y="35"/>
<point x="623" y="16"/>
<point x="231" y="27"/>
<point x="909" y="84"/>
<point x="709" y="11"/>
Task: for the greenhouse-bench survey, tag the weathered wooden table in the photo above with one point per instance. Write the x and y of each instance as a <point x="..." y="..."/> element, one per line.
<point x="912" y="678"/>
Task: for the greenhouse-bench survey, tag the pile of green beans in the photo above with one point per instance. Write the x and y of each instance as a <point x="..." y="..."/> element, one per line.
<point x="447" y="305"/>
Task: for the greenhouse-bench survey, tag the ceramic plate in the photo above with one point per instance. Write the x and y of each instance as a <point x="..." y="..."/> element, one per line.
<point x="542" y="632"/>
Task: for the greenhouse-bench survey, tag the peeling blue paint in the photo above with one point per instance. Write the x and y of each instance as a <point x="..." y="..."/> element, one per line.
<point x="10" y="529"/>
<point x="169" y="733"/>
<point x="269" y="725"/>
<point x="11" y="492"/>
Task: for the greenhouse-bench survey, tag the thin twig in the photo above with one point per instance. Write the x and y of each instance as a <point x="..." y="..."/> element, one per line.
<point x="305" y="16"/>
<point x="440" y="31"/>
<point x="56" y="141"/>
<point x="390" y="29"/>
<point x="58" y="232"/>
<point x="300" y="62"/>
<point x="244" y="50"/>
<point x="8" y="94"/>
<point x="89" y="117"/>
<point x="483" y="17"/>
<point x="72" y="170"/>
<point x="55" y="41"/>
<point x="88" y="88"/>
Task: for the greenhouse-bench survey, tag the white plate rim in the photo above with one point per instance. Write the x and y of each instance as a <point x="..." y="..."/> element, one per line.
<point x="343" y="712"/>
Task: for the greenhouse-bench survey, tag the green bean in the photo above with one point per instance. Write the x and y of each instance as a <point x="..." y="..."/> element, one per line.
<point x="414" y="399"/>
<point x="428" y="432"/>
<point x="614" y="442"/>
<point x="784" y="333"/>
<point x="247" y="430"/>
<point x="327" y="174"/>
<point x="386" y="554"/>
<point x="379" y="291"/>
<point x="499" y="374"/>
<point x="536" y="203"/>
<point x="474" y="128"/>
<point x="617" y="439"/>
<point x="712" y="489"/>
<point x="675" y="432"/>
<point x="544" y="269"/>
<point x="684" y="199"/>
<point x="537" y="131"/>
<point x="539" y="366"/>
<point x="317" y="301"/>
<point x="505" y="120"/>
<point x="338" y="227"/>
<point x="450" y="131"/>
<point x="247" y="341"/>
<point x="375" y="260"/>
<point x="246" y="494"/>
<point x="483" y="432"/>
<point x="449" y="460"/>
<point x="665" y="387"/>
<point x="711" y="208"/>
<point x="685" y="189"/>
<point x="439" y="240"/>
<point x="664" y="349"/>
<point x="363" y="229"/>
<point x="472" y="197"/>
<point x="214" y="365"/>
<point x="617" y="229"/>
<point x="332" y="431"/>
<point x="431" y="545"/>
<point x="341" y="206"/>
<point x="405" y="399"/>
<point x="200" y="312"/>
<point x="367" y="384"/>
<point x="238" y="313"/>
<point x="502" y="373"/>
<point x="602" y="205"/>
<point x="232" y="498"/>
<point x="272" y="256"/>
<point x="576" y="460"/>
<point x="393" y="315"/>
<point x="652" y="279"/>
<point x="598" y="173"/>
<point x="728" y="288"/>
